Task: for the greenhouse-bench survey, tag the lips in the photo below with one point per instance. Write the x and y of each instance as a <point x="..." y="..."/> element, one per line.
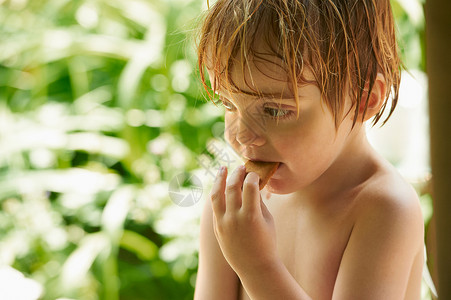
<point x="256" y="159"/>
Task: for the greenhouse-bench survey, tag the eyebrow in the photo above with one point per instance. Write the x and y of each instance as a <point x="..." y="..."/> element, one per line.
<point x="266" y="96"/>
<point x="278" y="97"/>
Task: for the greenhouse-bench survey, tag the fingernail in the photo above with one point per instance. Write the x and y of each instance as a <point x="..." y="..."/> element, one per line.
<point x="253" y="179"/>
<point x="221" y="170"/>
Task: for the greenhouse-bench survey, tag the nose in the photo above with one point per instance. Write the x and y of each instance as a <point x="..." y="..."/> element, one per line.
<point x="247" y="133"/>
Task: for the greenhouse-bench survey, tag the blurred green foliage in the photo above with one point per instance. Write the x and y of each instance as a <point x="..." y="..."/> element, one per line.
<point x="100" y="107"/>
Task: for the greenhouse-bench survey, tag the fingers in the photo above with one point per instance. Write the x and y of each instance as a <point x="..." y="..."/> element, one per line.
<point x="228" y="195"/>
<point x="217" y="192"/>
<point x="233" y="190"/>
<point x="251" y="193"/>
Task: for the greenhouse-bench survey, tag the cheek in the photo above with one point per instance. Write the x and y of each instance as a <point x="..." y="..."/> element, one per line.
<point x="303" y="143"/>
<point x="230" y="127"/>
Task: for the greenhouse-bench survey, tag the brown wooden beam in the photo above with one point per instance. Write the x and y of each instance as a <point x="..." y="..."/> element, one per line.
<point x="438" y="66"/>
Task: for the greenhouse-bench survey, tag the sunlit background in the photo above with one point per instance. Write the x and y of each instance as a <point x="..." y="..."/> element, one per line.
<point x="100" y="108"/>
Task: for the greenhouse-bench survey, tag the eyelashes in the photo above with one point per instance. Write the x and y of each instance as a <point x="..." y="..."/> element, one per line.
<point x="227" y="104"/>
<point x="277" y="113"/>
<point x="269" y="110"/>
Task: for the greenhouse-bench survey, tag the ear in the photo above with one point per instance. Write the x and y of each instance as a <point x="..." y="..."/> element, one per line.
<point x="375" y="100"/>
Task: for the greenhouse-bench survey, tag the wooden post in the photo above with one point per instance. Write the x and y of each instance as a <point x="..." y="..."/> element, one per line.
<point x="438" y="48"/>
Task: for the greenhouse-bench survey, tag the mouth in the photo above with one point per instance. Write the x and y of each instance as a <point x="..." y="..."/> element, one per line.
<point x="263" y="161"/>
<point x="245" y="158"/>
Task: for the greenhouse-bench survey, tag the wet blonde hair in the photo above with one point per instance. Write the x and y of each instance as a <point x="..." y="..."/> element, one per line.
<point x="345" y="43"/>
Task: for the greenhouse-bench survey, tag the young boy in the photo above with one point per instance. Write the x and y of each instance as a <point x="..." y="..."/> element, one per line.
<point x="299" y="79"/>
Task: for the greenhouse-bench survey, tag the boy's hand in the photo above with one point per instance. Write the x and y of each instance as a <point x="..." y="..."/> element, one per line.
<point x="243" y="225"/>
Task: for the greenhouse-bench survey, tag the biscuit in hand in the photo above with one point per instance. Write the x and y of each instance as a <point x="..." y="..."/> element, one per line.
<point x="264" y="169"/>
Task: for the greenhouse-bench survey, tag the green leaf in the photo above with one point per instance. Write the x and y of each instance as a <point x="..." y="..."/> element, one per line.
<point x="134" y="242"/>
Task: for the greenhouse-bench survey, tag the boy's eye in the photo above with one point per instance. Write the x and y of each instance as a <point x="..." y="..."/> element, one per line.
<point x="276" y="112"/>
<point x="270" y="111"/>
<point x="227" y="104"/>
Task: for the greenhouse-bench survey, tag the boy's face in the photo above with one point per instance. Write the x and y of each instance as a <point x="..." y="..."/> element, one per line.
<point x="306" y="146"/>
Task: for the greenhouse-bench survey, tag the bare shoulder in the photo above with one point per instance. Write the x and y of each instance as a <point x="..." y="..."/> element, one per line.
<point x="384" y="253"/>
<point x="387" y="198"/>
<point x="389" y="204"/>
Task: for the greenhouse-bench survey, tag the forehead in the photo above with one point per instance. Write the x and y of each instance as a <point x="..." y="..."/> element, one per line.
<point x="258" y="75"/>
<point x="263" y="74"/>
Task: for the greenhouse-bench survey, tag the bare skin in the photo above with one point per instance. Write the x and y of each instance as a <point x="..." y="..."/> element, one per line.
<point x="311" y="242"/>
<point x="341" y="223"/>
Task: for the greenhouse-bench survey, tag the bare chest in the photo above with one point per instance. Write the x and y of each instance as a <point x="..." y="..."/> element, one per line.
<point x="311" y="246"/>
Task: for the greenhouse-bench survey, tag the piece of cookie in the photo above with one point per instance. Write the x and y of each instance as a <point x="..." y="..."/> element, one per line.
<point x="264" y="169"/>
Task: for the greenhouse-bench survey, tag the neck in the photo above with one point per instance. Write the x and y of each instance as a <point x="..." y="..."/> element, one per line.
<point x="353" y="165"/>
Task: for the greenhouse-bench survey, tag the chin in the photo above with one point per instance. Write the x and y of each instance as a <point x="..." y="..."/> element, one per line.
<point x="279" y="187"/>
